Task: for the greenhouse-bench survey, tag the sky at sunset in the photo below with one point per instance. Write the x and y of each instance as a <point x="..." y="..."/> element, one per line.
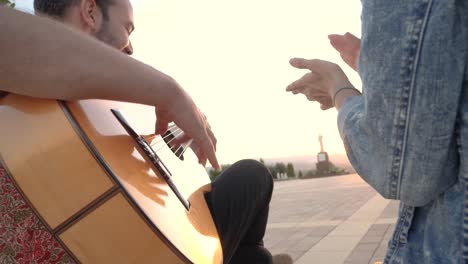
<point x="232" y="57"/>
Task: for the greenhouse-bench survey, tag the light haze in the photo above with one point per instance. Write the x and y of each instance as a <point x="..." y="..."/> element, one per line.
<point x="232" y="57"/>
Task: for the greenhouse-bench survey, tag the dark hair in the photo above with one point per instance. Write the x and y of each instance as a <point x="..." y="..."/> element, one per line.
<point x="57" y="8"/>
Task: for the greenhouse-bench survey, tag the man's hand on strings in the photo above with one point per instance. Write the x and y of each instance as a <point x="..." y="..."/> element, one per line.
<point x="186" y="115"/>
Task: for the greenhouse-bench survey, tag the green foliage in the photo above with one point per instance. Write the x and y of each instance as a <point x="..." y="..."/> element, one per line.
<point x="310" y="174"/>
<point x="300" y="175"/>
<point x="7" y="3"/>
<point x="278" y="168"/>
<point x="281" y="168"/>
<point x="214" y="174"/>
<point x="290" y="170"/>
<point x="332" y="171"/>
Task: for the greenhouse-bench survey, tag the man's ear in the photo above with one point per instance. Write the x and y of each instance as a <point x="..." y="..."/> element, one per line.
<point x="90" y="14"/>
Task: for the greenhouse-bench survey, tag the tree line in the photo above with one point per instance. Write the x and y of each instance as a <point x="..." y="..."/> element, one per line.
<point x="280" y="170"/>
<point x="7" y="3"/>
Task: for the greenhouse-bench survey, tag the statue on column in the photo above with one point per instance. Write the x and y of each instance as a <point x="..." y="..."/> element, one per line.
<point x="323" y="163"/>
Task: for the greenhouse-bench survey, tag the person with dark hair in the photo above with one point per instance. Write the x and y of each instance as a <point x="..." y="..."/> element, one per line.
<point x="112" y="27"/>
<point x="58" y="9"/>
<point x="55" y="9"/>
<point x="239" y="198"/>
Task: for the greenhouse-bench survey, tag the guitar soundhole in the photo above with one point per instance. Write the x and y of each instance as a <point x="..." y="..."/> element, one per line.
<point x="178" y="150"/>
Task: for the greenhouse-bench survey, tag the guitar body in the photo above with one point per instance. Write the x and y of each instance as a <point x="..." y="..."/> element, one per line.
<point x="94" y="190"/>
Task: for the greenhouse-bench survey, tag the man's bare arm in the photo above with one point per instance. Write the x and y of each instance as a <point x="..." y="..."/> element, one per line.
<point x="41" y="58"/>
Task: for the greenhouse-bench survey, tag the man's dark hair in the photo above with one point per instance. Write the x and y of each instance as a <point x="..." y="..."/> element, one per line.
<point x="58" y="8"/>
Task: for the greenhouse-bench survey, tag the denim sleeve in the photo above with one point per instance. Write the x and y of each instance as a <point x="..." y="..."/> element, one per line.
<point x="400" y="135"/>
<point x="364" y="145"/>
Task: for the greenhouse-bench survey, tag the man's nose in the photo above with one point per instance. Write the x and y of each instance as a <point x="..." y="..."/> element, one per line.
<point x="129" y="49"/>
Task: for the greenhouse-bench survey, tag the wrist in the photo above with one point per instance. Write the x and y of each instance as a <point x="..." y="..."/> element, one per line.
<point x="338" y="84"/>
<point x="342" y="93"/>
<point x="165" y="91"/>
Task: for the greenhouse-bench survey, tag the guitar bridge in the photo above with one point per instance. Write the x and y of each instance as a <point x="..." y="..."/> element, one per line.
<point x="151" y="156"/>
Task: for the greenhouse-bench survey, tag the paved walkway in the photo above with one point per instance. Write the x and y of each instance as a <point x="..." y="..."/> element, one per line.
<point x="335" y="220"/>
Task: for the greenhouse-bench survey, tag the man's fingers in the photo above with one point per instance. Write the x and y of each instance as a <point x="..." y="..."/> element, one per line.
<point x="302" y="83"/>
<point x="295" y="86"/>
<point x="181" y="139"/>
<point x="314" y="65"/>
<point x="208" y="151"/>
<point x="161" y="125"/>
<point x="339" y="42"/>
<point x="206" y="143"/>
<point x="311" y="91"/>
<point x="352" y="38"/>
<point x="323" y="99"/>
<point x="319" y="97"/>
<point x="300" y="63"/>
<point x="348" y="46"/>
<point x="325" y="106"/>
<point x="344" y="43"/>
<point x="212" y="137"/>
<point x="297" y="91"/>
<point x="205" y="147"/>
<point x="201" y="159"/>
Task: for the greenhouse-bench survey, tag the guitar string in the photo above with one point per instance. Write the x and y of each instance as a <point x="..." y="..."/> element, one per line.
<point x="179" y="131"/>
<point x="187" y="146"/>
<point x="180" y="145"/>
<point x="168" y="135"/>
<point x="159" y="140"/>
<point x="177" y="150"/>
<point x="175" y="137"/>
<point x="168" y="143"/>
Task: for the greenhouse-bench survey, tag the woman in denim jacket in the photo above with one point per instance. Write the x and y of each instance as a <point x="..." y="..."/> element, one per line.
<point x="407" y="134"/>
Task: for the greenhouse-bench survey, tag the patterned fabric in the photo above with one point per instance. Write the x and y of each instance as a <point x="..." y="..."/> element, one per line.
<point x="23" y="237"/>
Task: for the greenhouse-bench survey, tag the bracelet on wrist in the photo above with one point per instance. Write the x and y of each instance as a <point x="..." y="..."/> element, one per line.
<point x="342" y="89"/>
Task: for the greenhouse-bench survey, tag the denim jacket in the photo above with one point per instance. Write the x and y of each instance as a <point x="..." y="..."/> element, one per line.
<point x="408" y="133"/>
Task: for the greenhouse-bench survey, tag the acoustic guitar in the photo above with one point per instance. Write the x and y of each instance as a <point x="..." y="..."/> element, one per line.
<point x="107" y="193"/>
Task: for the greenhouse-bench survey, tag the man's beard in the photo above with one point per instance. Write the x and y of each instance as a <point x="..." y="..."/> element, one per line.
<point x="104" y="34"/>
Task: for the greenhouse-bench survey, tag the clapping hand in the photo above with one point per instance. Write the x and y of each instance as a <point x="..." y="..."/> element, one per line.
<point x="320" y="83"/>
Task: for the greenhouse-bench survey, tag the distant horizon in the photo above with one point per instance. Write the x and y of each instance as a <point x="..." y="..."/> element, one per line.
<point x="302" y="162"/>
